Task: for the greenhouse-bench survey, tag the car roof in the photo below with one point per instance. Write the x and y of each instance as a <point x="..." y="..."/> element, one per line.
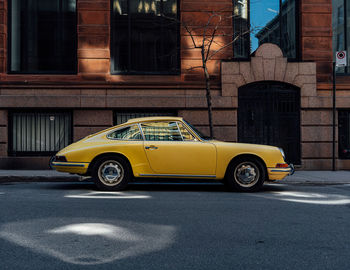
<point x="154" y="118"/>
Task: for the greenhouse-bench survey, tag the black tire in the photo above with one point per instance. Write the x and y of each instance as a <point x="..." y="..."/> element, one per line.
<point x="246" y="174"/>
<point x="111" y="173"/>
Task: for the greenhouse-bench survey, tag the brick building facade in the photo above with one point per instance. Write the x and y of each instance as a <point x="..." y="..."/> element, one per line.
<point x="94" y="97"/>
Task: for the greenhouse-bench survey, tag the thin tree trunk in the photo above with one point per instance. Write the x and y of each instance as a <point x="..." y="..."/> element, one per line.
<point x="208" y="94"/>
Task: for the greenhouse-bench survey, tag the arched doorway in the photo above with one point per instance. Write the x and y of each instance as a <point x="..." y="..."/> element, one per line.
<point x="269" y="113"/>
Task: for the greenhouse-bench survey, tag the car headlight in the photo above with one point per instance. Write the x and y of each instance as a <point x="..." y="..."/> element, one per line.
<point x="282" y="152"/>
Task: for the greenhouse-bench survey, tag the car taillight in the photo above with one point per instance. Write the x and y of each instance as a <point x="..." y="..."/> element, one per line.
<point x="282" y="165"/>
<point x="61" y="158"/>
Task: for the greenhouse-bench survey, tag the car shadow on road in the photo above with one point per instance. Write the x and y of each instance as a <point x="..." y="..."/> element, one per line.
<point x="163" y="187"/>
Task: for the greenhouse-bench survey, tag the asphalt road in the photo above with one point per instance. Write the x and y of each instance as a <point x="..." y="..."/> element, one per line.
<point x="165" y="226"/>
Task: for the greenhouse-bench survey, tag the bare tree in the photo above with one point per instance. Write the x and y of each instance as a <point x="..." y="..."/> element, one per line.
<point x="210" y="34"/>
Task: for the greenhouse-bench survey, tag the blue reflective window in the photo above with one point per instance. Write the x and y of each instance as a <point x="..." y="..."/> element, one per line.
<point x="341" y="30"/>
<point x="265" y="21"/>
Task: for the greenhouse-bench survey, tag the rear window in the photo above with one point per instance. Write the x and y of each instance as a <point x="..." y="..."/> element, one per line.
<point x="127" y="133"/>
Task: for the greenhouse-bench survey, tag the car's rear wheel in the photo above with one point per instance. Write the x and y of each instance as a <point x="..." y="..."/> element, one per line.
<point x="245" y="175"/>
<point x="111" y="173"/>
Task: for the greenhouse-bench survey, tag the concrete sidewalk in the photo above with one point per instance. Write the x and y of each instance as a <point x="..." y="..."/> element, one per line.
<point x="36" y="176"/>
<point x="299" y="177"/>
<point x="319" y="177"/>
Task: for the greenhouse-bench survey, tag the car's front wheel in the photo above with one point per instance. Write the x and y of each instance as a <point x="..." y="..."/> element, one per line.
<point x="245" y="175"/>
<point x="111" y="173"/>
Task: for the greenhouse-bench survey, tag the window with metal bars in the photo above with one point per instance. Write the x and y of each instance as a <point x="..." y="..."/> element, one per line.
<point x="39" y="133"/>
<point x="121" y="117"/>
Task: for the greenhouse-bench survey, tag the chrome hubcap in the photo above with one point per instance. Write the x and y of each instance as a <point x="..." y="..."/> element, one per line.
<point x="111" y="172"/>
<point x="246" y="174"/>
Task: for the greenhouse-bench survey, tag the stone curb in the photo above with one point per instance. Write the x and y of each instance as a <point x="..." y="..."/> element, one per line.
<point x="314" y="183"/>
<point x="13" y="179"/>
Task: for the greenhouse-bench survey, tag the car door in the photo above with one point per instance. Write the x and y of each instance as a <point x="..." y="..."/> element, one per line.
<point x="171" y="152"/>
<point x="128" y="141"/>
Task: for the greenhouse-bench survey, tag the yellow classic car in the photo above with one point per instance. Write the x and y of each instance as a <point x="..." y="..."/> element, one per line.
<point x="169" y="147"/>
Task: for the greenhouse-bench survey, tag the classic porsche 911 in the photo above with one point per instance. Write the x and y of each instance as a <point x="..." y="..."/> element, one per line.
<point x="169" y="147"/>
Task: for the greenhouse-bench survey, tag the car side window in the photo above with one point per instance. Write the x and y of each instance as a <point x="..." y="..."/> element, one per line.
<point x="186" y="135"/>
<point x="126" y="133"/>
<point x="161" y="131"/>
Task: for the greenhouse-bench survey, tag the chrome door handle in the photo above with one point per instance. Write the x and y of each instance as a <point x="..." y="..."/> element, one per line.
<point x="152" y="147"/>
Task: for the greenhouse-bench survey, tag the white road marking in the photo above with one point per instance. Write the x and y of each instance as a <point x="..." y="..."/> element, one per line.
<point x="88" y="241"/>
<point x="107" y="195"/>
<point x="307" y="197"/>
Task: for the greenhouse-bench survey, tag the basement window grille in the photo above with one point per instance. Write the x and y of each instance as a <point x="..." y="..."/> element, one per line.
<point x="39" y="133"/>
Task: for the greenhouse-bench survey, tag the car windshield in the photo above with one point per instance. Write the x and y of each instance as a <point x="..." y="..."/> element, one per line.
<point x="200" y="134"/>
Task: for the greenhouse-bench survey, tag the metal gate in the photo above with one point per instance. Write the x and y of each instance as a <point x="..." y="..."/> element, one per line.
<point x="269" y="113"/>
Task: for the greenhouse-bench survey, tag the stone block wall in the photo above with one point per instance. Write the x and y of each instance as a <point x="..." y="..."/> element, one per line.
<point x="87" y="122"/>
<point x="225" y="122"/>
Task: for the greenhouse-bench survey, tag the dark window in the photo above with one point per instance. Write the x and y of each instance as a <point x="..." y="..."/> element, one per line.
<point x="42" y="36"/>
<point x="39" y="133"/>
<point x="241" y="31"/>
<point x="270" y="21"/>
<point x="122" y="117"/>
<point x="344" y="134"/>
<point x="341" y="30"/>
<point x="145" y="37"/>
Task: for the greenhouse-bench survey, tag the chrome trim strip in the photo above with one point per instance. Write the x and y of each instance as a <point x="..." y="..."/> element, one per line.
<point x="140" y="128"/>
<point x="68" y="164"/>
<point x="291" y="166"/>
<point x="180" y="175"/>
<point x="178" y="129"/>
<point x="281" y="170"/>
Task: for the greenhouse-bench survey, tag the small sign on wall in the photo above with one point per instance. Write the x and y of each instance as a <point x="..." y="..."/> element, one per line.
<point x="340" y="59"/>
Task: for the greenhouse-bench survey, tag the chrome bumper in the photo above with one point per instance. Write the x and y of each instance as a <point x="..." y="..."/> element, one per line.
<point x="290" y="170"/>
